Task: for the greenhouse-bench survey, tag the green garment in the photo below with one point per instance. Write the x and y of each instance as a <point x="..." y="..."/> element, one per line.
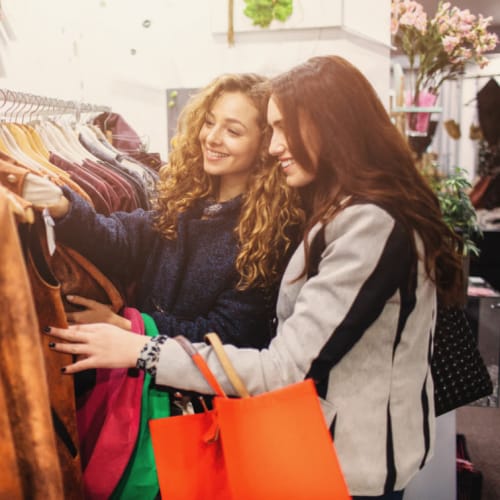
<point x="140" y="479"/>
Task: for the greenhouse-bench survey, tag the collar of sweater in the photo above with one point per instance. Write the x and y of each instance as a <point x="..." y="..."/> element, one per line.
<point x="211" y="208"/>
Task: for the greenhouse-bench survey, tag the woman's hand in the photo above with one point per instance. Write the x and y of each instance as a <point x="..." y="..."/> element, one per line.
<point x="98" y="345"/>
<point x="95" y="312"/>
<point x="59" y="209"/>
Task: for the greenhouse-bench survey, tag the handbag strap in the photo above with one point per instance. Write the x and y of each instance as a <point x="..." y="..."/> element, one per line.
<point x="228" y="367"/>
<point x="200" y="362"/>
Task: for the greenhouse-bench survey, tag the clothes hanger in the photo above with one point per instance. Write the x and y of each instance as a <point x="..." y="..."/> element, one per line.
<point x="37" y="140"/>
<point x="20" y="152"/>
<point x="8" y="139"/>
<point x="18" y="131"/>
<point x="71" y="140"/>
<point x="66" y="124"/>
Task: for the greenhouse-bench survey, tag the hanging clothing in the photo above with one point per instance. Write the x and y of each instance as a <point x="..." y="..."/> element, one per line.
<point x="119" y="132"/>
<point x="123" y="137"/>
<point x="40" y="445"/>
<point x="50" y="311"/>
<point x="29" y="458"/>
<point x="488" y="107"/>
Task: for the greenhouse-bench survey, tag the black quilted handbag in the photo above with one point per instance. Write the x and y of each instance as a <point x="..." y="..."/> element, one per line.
<point x="458" y="370"/>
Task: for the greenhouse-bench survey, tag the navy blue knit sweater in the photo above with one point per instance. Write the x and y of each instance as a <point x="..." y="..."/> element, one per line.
<point x="188" y="284"/>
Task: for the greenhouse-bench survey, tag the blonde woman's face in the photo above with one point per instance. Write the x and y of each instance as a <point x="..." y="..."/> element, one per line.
<point x="230" y="139"/>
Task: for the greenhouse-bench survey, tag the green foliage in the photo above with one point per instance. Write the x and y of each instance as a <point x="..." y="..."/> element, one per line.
<point x="262" y="12"/>
<point x="458" y="211"/>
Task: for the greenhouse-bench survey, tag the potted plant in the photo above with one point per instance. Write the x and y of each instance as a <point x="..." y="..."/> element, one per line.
<point x="458" y="212"/>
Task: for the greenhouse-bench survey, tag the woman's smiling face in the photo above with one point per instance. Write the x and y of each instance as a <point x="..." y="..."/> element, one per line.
<point x="231" y="138"/>
<point x="296" y="174"/>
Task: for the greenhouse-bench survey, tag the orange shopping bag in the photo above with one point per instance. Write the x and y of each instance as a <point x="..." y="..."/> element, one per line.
<point x="275" y="445"/>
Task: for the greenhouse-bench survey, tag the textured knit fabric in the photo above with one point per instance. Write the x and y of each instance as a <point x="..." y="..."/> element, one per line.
<point x="361" y="326"/>
<point x="187" y="285"/>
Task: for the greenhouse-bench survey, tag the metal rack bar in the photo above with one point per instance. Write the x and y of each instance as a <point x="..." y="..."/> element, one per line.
<point x="18" y="105"/>
<point x="479" y="75"/>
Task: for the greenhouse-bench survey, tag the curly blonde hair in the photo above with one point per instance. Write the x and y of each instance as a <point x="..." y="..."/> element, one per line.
<point x="270" y="211"/>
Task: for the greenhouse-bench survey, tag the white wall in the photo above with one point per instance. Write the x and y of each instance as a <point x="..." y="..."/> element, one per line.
<point x="82" y="49"/>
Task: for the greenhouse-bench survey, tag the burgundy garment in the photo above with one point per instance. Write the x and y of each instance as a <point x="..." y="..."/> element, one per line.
<point x="137" y="189"/>
<point x="95" y="181"/>
<point x="486" y="192"/>
<point x="121" y="135"/>
<point x="108" y="423"/>
<point x="125" y="199"/>
<point x="26" y="423"/>
<point x="93" y="187"/>
<point x="151" y="160"/>
<point x="116" y="190"/>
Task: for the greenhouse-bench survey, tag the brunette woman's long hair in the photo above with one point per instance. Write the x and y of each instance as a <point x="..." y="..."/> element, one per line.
<point x="362" y="154"/>
<point x="270" y="209"/>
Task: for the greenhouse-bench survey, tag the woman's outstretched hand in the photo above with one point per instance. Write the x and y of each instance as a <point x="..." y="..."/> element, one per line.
<point x="97" y="345"/>
<point x="95" y="312"/>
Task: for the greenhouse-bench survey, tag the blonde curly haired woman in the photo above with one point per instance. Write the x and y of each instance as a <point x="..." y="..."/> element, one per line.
<point x="210" y="255"/>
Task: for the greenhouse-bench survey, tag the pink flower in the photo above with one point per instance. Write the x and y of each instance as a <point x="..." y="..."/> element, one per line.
<point x="439" y="48"/>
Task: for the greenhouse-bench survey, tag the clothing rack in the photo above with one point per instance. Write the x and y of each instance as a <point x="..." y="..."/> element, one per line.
<point x="21" y="105"/>
<point x="491" y="75"/>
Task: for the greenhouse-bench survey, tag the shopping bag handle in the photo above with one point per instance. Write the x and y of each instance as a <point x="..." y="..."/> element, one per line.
<point x="201" y="364"/>
<point x="228" y="367"/>
<point x="214" y="340"/>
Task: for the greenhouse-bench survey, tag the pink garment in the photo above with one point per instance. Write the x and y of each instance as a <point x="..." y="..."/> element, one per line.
<point x="419" y="121"/>
<point x="108" y="423"/>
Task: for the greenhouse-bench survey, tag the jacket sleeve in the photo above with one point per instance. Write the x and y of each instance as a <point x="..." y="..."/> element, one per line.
<point x="115" y="244"/>
<point x="358" y="242"/>
<point x="242" y="318"/>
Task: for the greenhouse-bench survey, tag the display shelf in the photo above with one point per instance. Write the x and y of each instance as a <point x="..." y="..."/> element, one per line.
<point x="417" y="109"/>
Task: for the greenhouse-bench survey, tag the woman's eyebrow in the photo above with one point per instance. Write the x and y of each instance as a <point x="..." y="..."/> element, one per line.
<point x="236" y="121"/>
<point x="228" y="120"/>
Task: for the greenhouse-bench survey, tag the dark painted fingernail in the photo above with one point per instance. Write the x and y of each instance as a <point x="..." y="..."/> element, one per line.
<point x="63" y="369"/>
<point x="52" y="344"/>
<point x="46" y="329"/>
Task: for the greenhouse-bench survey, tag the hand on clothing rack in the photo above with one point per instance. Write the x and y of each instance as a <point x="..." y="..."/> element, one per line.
<point x="41" y="192"/>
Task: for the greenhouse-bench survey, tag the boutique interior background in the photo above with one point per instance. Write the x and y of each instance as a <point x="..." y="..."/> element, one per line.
<point x="125" y="53"/>
<point x="457" y="98"/>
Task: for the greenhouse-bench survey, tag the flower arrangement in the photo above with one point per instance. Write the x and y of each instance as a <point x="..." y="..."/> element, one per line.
<point x="439" y="48"/>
